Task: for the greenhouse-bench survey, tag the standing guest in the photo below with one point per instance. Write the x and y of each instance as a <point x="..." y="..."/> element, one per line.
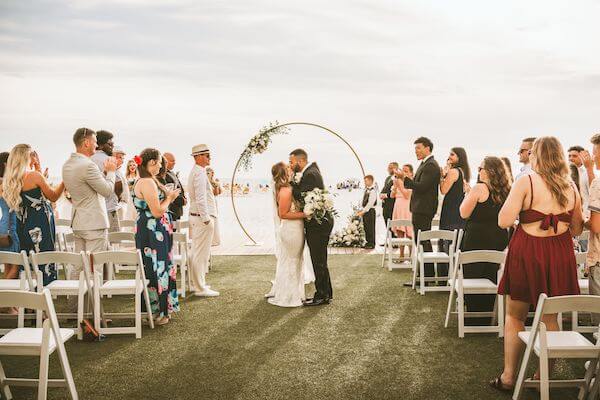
<point x="203" y="214"/>
<point x="577" y="155"/>
<point x="508" y="166"/>
<point x="8" y="224"/>
<point x="216" y="188"/>
<point x="131" y="175"/>
<point x="172" y="177"/>
<point x="154" y="236"/>
<point x="593" y="254"/>
<point x="125" y="198"/>
<point x="541" y="257"/>
<point x="161" y="177"/>
<point x="367" y="213"/>
<point x="88" y="187"/>
<point x="27" y="192"/>
<point x="104" y="152"/>
<point x="575" y="176"/>
<point x="523" y="154"/>
<point x="452" y="185"/>
<point x="480" y="208"/>
<point x="387" y="201"/>
<point x="425" y="188"/>
<point x="402" y="196"/>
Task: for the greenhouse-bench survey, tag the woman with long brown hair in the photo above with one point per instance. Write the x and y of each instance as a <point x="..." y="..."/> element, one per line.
<point x="288" y="288"/>
<point x="480" y="208"/>
<point x="154" y="235"/>
<point x="541" y="257"/>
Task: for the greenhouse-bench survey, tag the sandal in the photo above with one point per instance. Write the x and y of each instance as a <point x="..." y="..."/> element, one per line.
<point x="499" y="385"/>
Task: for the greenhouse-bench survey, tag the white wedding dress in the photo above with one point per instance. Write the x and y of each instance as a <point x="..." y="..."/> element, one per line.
<point x="294" y="268"/>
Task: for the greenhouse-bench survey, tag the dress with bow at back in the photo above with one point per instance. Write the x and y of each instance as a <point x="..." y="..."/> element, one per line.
<point x="535" y="264"/>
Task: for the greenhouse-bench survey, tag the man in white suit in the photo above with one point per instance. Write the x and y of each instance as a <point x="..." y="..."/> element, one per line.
<point x="89" y="187"/>
<point x="203" y="213"/>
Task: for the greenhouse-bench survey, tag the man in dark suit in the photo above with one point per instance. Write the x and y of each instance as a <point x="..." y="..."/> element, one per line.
<point x="176" y="207"/>
<point x="387" y="201"/>
<point x="317" y="235"/>
<point x="425" y="190"/>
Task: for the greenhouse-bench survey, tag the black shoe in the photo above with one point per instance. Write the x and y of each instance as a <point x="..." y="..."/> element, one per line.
<point x="317" y="302"/>
<point x="369" y="247"/>
<point x="407" y="284"/>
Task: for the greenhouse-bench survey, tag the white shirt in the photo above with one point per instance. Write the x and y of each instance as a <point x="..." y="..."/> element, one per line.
<point x="525" y="170"/>
<point x="372" y="199"/>
<point x="584" y="190"/>
<point x="202" y="199"/>
<point x="112" y="202"/>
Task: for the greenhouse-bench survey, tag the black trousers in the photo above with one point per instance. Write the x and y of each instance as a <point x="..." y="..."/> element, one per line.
<point x="369" y="224"/>
<point x="422" y="222"/>
<point x="388" y="210"/>
<point x="317" y="238"/>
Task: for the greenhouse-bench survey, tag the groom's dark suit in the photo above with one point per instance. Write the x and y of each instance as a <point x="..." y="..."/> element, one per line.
<point x="317" y="235"/>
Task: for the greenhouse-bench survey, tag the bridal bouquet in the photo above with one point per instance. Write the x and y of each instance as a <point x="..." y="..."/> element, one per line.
<point x="353" y="235"/>
<point x="318" y="205"/>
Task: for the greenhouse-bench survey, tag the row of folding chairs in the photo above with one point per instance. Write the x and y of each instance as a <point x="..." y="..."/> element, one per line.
<point x="391" y="242"/>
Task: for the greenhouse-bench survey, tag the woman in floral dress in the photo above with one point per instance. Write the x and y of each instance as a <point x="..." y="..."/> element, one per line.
<point x="154" y="235"/>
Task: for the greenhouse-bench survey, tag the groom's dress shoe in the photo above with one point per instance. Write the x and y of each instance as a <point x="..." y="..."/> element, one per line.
<point x="317" y="302"/>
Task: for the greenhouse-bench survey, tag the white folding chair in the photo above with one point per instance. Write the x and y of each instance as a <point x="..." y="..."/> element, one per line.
<point x="123" y="241"/>
<point x="180" y="258"/>
<point x="127" y="225"/>
<point x="27" y="282"/>
<point x="66" y="287"/>
<point x="433" y="257"/>
<point x="39" y="342"/>
<point x="121" y="287"/>
<point x="558" y="344"/>
<point x="584" y="287"/>
<point x="473" y="286"/>
<point x="61" y="222"/>
<point x="181" y="225"/>
<point x="68" y="242"/>
<point x="391" y="242"/>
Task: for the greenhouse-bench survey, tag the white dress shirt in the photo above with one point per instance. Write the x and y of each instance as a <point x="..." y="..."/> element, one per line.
<point x="112" y="201"/>
<point x="202" y="199"/>
<point x="584" y="190"/>
<point x="525" y="170"/>
<point x="372" y="199"/>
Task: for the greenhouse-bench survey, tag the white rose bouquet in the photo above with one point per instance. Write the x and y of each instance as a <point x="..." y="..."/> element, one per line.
<point x="318" y="205"/>
<point x="353" y="235"/>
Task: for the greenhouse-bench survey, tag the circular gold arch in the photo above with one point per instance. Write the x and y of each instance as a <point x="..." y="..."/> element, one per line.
<point x="237" y="166"/>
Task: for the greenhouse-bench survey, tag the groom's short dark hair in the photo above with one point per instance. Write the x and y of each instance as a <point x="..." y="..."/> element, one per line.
<point x="299" y="153"/>
<point x="425" y="142"/>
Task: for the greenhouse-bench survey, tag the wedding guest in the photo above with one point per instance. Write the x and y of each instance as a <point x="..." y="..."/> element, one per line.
<point x="124" y="200"/>
<point x="203" y="214"/>
<point x="508" y="166"/>
<point x="541" y="257"/>
<point x="88" y="187"/>
<point x="161" y="177"/>
<point x="387" y="201"/>
<point x="576" y="157"/>
<point x="401" y="196"/>
<point x="131" y="175"/>
<point x="154" y="236"/>
<point x="26" y="191"/>
<point x="480" y="208"/>
<point x="8" y="224"/>
<point x="104" y="152"/>
<point x="452" y="185"/>
<point x="575" y="176"/>
<point x="523" y="154"/>
<point x="176" y="207"/>
<point x="593" y="253"/>
<point x="425" y="188"/>
<point x="216" y="188"/>
<point x="367" y="213"/>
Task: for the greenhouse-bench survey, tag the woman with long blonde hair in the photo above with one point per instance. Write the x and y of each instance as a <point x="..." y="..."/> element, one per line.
<point x="27" y="193"/>
<point x="541" y="256"/>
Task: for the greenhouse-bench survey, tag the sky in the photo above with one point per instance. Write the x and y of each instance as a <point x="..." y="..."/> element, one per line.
<point x="171" y="74"/>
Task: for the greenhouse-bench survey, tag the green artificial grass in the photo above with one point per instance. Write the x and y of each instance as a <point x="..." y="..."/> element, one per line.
<point x="377" y="340"/>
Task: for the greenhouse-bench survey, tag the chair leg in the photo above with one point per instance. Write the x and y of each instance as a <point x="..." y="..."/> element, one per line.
<point x="500" y="302"/>
<point x="384" y="251"/>
<point x="544" y="378"/>
<point x="589" y="374"/>
<point x="575" y="321"/>
<point x="422" y="278"/>
<point x="461" y="313"/>
<point x="148" y="308"/>
<point x="414" y="268"/>
<point x="522" y="371"/>
<point x="183" y="273"/>
<point x="80" y="305"/>
<point x="450" y="300"/>
<point x="44" y="361"/>
<point x="66" y="370"/>
<point x="5" y="388"/>
<point x="96" y="304"/>
<point x="138" y="314"/>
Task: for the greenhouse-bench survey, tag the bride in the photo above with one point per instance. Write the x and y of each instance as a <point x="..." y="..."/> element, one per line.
<point x="291" y="273"/>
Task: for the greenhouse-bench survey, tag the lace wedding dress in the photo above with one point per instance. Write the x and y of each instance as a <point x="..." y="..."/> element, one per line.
<point x="294" y="268"/>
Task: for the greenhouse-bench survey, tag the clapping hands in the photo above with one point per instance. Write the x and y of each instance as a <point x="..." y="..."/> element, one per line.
<point x="586" y="159"/>
<point x="110" y="165"/>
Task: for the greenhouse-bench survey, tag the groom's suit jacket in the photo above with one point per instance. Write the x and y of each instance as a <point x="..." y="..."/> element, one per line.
<point x="311" y="179"/>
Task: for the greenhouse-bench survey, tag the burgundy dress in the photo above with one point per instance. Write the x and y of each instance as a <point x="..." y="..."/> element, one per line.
<point x="536" y="265"/>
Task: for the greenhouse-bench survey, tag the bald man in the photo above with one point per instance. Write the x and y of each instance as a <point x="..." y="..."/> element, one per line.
<point x="176" y="207"/>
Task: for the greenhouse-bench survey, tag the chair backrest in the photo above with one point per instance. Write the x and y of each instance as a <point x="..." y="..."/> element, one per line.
<point x="480" y="256"/>
<point x="62" y="222"/>
<point x="182" y="224"/>
<point x="398" y="223"/>
<point x="119" y="237"/>
<point x="562" y="304"/>
<point x="131" y="258"/>
<point x="180" y="237"/>
<point x="19" y="259"/>
<point x="437" y="234"/>
<point x="62" y="257"/>
<point x="68" y="241"/>
<point x="127" y="223"/>
<point x="32" y="300"/>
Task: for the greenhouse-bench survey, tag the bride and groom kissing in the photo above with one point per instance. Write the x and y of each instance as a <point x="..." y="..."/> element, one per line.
<point x="293" y="231"/>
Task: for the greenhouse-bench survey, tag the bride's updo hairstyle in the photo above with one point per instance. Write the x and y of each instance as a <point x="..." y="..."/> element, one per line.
<point x="280" y="175"/>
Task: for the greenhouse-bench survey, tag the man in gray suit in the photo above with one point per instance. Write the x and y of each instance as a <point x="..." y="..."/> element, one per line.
<point x="88" y="187"/>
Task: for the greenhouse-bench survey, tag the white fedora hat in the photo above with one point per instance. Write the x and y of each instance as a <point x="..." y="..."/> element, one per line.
<point x="200" y="149"/>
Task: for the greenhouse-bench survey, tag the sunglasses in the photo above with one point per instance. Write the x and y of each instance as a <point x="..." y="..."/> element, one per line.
<point x="522" y="150"/>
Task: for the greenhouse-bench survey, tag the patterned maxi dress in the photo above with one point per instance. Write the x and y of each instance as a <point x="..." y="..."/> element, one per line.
<point x="154" y="238"/>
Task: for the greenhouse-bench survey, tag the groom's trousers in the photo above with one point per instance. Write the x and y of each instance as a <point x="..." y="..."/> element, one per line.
<point x="202" y="237"/>
<point x="317" y="238"/>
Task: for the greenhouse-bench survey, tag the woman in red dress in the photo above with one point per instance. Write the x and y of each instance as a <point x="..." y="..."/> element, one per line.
<point x="541" y="257"/>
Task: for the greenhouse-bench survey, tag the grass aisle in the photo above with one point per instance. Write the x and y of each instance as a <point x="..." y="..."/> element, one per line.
<point x="378" y="340"/>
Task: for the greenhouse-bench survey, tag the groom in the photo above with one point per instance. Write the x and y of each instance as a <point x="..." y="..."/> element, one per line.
<point x="317" y="235"/>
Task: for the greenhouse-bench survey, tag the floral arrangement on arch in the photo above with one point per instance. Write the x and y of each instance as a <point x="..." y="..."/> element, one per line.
<point x="260" y="143"/>
<point x="353" y="235"/>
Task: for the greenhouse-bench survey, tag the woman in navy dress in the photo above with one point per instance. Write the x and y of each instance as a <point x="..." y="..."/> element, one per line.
<point x="27" y="193"/>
